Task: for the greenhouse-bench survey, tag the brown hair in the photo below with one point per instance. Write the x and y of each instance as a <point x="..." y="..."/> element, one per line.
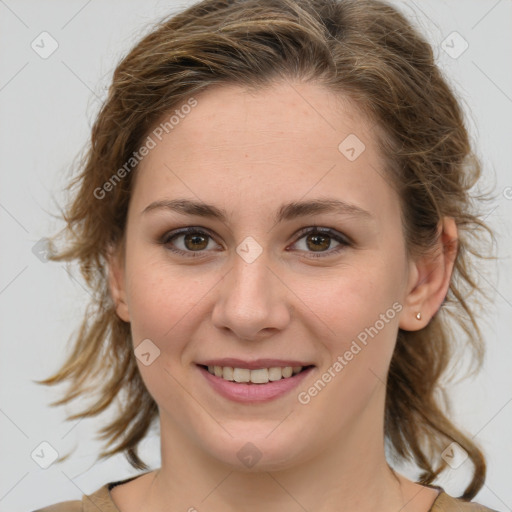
<point x="363" y="49"/>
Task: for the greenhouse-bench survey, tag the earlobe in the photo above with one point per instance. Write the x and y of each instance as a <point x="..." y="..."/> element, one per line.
<point x="430" y="278"/>
<point x="117" y="283"/>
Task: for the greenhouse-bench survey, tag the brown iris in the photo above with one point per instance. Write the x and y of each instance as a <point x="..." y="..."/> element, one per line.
<point x="197" y="240"/>
<point x="318" y="241"/>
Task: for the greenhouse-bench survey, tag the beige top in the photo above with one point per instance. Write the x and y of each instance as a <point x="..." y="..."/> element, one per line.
<point x="101" y="500"/>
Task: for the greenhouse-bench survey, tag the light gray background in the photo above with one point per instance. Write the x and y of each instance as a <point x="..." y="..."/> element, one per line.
<point x="46" y="110"/>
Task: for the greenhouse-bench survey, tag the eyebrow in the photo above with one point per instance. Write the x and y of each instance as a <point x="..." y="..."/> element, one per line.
<point x="288" y="211"/>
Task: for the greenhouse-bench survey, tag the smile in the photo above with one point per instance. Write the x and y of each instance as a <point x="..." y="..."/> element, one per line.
<point x="257" y="376"/>
<point x="256" y="384"/>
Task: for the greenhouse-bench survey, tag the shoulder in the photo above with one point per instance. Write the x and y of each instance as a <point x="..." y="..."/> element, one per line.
<point x="98" y="500"/>
<point x="446" y="503"/>
<point x="63" y="506"/>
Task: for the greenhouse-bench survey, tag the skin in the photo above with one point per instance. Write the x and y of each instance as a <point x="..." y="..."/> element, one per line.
<point x="249" y="153"/>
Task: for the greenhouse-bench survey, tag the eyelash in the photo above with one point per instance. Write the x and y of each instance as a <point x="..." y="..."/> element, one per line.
<point x="342" y="240"/>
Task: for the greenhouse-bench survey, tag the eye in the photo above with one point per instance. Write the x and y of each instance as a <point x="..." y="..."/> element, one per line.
<point x="192" y="241"/>
<point x="319" y="240"/>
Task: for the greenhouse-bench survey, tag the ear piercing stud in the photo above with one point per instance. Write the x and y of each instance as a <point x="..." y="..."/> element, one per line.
<point x="418" y="316"/>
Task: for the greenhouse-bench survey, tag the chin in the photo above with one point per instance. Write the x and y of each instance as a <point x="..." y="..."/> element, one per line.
<point x="261" y="449"/>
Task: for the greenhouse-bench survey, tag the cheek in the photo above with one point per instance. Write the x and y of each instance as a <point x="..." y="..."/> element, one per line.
<point x="353" y="300"/>
<point x="160" y="296"/>
<point x="154" y="307"/>
<point x="359" y="311"/>
<point x="160" y="303"/>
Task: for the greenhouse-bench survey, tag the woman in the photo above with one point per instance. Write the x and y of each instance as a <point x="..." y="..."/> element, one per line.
<point x="275" y="217"/>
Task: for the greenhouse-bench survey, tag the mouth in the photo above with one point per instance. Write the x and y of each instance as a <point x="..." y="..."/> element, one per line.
<point x="258" y="381"/>
<point x="254" y="376"/>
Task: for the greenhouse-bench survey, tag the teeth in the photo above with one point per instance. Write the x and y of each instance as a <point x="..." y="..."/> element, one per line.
<point x="287" y="372"/>
<point x="275" y="373"/>
<point x="227" y="373"/>
<point x="259" y="376"/>
<point x="239" y="374"/>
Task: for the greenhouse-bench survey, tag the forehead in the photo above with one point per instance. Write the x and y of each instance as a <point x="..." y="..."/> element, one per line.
<point x="307" y="112"/>
<point x="288" y="139"/>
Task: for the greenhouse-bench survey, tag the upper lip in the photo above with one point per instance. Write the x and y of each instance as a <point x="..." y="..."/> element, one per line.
<point x="254" y="364"/>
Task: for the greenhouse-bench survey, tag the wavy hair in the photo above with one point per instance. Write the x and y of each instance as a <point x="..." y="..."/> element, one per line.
<point x="365" y="50"/>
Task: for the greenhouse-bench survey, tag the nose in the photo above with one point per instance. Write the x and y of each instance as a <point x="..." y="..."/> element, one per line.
<point x="253" y="302"/>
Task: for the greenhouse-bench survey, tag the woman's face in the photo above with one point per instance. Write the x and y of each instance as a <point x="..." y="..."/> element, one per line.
<point x="297" y="261"/>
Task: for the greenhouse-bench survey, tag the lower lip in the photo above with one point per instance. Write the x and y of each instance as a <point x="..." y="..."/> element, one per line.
<point x="249" y="392"/>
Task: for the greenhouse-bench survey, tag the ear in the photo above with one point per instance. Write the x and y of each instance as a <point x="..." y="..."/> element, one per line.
<point x="429" y="279"/>
<point x="116" y="280"/>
